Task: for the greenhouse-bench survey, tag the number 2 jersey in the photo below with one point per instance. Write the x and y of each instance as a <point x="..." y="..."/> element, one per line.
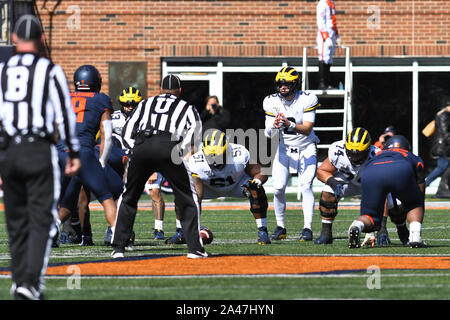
<point x="301" y="108"/>
<point x="89" y="107"/>
<point x="226" y="179"/>
<point x="339" y="159"/>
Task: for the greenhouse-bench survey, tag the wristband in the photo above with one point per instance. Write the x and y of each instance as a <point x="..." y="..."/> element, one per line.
<point x="292" y="125"/>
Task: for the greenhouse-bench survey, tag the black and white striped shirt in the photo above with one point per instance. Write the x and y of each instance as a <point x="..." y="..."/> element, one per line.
<point x="164" y="113"/>
<point x="35" y="98"/>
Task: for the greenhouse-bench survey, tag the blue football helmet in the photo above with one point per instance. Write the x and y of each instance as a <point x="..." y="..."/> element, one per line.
<point x="87" y="78"/>
<point x="397" y="141"/>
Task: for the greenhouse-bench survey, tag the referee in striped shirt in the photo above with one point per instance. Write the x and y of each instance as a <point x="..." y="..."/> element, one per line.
<point x="34" y="106"/>
<point x="159" y="129"/>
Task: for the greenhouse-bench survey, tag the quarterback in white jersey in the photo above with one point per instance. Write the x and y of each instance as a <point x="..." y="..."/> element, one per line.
<point x="341" y="173"/>
<point x="291" y="112"/>
<point x="222" y="169"/>
<point x="129" y="99"/>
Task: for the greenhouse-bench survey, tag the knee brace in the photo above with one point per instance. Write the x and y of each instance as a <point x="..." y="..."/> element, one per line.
<point x="328" y="209"/>
<point x="258" y="201"/>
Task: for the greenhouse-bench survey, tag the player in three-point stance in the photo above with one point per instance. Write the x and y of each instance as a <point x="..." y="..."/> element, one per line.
<point x="222" y="169"/>
<point x="292" y="112"/>
<point x="341" y="173"/>
<point x="398" y="171"/>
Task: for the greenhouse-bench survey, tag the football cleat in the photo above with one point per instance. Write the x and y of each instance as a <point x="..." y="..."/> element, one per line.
<point x="158" y="234"/>
<point x="324" y="239"/>
<point x="108" y="236"/>
<point x="354" y="240"/>
<point x="86" y="241"/>
<point x="263" y="236"/>
<point x="177" y="238"/>
<point x="403" y="234"/>
<point x="197" y="255"/>
<point x="306" y="235"/>
<point x="420" y="244"/>
<point x="415" y="240"/>
<point x="279" y="233"/>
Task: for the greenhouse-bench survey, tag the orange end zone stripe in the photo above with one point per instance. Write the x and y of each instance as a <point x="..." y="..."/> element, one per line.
<point x="248" y="265"/>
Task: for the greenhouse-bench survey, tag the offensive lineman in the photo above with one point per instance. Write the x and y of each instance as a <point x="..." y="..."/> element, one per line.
<point x="292" y="112"/>
<point x="129" y="99"/>
<point x="340" y="172"/>
<point x="222" y="169"/>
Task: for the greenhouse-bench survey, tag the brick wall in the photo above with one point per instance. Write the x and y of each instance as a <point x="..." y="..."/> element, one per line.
<point x="98" y="31"/>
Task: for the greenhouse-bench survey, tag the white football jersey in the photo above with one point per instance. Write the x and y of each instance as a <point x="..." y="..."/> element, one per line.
<point x="118" y="122"/>
<point x="301" y="108"/>
<point x="338" y="157"/>
<point x="225" y="179"/>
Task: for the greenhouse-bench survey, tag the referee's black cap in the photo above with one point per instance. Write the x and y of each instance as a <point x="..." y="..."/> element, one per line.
<point x="28" y="27"/>
<point x="171" y="82"/>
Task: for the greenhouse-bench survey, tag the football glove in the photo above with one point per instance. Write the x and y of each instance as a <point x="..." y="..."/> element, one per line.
<point x="328" y="43"/>
<point x="383" y="238"/>
<point x="338" y="186"/>
<point x="369" y="240"/>
<point x="252" y="184"/>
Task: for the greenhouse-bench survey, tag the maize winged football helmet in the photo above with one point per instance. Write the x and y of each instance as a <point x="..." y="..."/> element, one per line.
<point x="290" y="77"/>
<point x="130" y="97"/>
<point x="215" y="148"/>
<point x="87" y="78"/>
<point x="357" y="145"/>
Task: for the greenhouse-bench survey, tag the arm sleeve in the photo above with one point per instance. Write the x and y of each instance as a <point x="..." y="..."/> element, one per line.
<point x="107" y="130"/>
<point x="269" y="119"/>
<point x="64" y="115"/>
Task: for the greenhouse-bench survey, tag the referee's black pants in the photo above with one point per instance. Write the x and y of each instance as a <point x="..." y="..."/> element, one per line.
<point x="154" y="155"/>
<point x="31" y="185"/>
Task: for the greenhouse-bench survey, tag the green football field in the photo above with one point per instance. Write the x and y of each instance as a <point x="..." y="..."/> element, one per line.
<point x="235" y="234"/>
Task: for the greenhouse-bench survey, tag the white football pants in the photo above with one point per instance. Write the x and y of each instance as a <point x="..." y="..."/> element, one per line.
<point x="294" y="160"/>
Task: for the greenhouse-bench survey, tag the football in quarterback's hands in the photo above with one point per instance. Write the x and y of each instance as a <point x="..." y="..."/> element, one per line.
<point x="207" y="235"/>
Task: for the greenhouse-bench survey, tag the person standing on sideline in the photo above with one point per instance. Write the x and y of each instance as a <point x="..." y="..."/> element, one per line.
<point x="440" y="148"/>
<point x="327" y="38"/>
<point x="160" y="128"/>
<point x="34" y="106"/>
<point x="292" y="112"/>
<point x="215" y="116"/>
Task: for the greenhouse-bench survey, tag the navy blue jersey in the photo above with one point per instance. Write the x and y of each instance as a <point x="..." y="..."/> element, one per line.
<point x="394" y="155"/>
<point x="89" y="107"/>
<point x="396" y="171"/>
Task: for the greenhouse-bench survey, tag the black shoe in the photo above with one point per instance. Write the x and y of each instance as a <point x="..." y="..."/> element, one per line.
<point x="197" y="254"/>
<point x="118" y="252"/>
<point x="354" y="238"/>
<point x="27" y="292"/>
